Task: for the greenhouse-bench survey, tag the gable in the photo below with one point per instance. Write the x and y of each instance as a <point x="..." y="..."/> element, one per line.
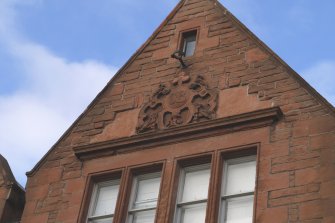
<point x="6" y="175"/>
<point x="247" y="75"/>
<point x="12" y="195"/>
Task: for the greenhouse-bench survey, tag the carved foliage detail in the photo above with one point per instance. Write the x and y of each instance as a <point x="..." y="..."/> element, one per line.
<point x="185" y="100"/>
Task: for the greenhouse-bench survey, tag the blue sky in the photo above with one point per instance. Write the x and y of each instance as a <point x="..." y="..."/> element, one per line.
<point x="56" y="55"/>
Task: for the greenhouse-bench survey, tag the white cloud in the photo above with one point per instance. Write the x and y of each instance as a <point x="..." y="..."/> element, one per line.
<point x="320" y="76"/>
<point x="56" y="91"/>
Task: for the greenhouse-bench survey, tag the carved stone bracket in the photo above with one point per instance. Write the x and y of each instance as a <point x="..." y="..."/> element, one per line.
<point x="185" y="100"/>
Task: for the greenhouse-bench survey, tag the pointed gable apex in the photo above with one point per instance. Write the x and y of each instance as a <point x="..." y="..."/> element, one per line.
<point x="91" y="105"/>
<point x="227" y="54"/>
<point x="6" y="174"/>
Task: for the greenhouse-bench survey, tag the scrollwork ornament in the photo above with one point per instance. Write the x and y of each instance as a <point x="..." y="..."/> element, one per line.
<point x="185" y="100"/>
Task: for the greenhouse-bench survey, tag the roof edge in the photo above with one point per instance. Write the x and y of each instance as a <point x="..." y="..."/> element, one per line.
<point x="261" y="44"/>
<point x="120" y="71"/>
<point x="8" y="173"/>
<point x="9" y="177"/>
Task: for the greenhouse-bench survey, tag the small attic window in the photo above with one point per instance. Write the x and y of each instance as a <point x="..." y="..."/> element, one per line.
<point x="188" y="42"/>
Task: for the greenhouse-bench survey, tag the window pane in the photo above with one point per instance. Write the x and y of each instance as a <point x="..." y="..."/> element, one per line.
<point x="107" y="220"/>
<point x="106" y="200"/>
<point x="147" y="192"/>
<point x="144" y="217"/>
<point x="239" y="210"/>
<point x="196" y="185"/>
<point x="189" y="46"/>
<point x="240" y="177"/>
<point x="189" y="42"/>
<point x="193" y="213"/>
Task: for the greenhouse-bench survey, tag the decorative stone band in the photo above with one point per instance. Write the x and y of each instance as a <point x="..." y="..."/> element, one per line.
<point x="186" y="100"/>
<point x="182" y="133"/>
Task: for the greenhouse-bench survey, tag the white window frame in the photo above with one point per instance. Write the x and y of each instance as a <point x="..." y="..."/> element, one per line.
<point x="132" y="211"/>
<point x="181" y="183"/>
<point x="94" y="199"/>
<point x="223" y="197"/>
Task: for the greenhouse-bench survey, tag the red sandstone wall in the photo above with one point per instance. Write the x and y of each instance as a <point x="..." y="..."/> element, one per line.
<point x="296" y="181"/>
<point x="11" y="194"/>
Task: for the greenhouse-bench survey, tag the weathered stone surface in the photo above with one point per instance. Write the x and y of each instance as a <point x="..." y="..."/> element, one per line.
<point x="12" y="195"/>
<point x="185" y="100"/>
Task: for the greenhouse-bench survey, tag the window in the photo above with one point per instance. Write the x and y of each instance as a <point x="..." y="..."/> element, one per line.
<point x="123" y="195"/>
<point x="103" y="202"/>
<point x="217" y="187"/>
<point x="188" y="43"/>
<point x="192" y="194"/>
<point x="228" y="194"/>
<point x="144" y="196"/>
<point x="237" y="192"/>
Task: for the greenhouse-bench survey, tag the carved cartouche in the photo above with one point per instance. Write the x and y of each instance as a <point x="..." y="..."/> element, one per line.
<point x="185" y="100"/>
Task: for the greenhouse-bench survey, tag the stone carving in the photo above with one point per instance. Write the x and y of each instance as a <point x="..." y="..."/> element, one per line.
<point x="185" y="100"/>
<point x="161" y="91"/>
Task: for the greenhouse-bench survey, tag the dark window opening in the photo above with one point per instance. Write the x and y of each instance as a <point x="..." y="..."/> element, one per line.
<point x="189" y="42"/>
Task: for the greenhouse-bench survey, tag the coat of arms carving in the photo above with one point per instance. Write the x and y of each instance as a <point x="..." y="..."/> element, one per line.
<point x="185" y="100"/>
